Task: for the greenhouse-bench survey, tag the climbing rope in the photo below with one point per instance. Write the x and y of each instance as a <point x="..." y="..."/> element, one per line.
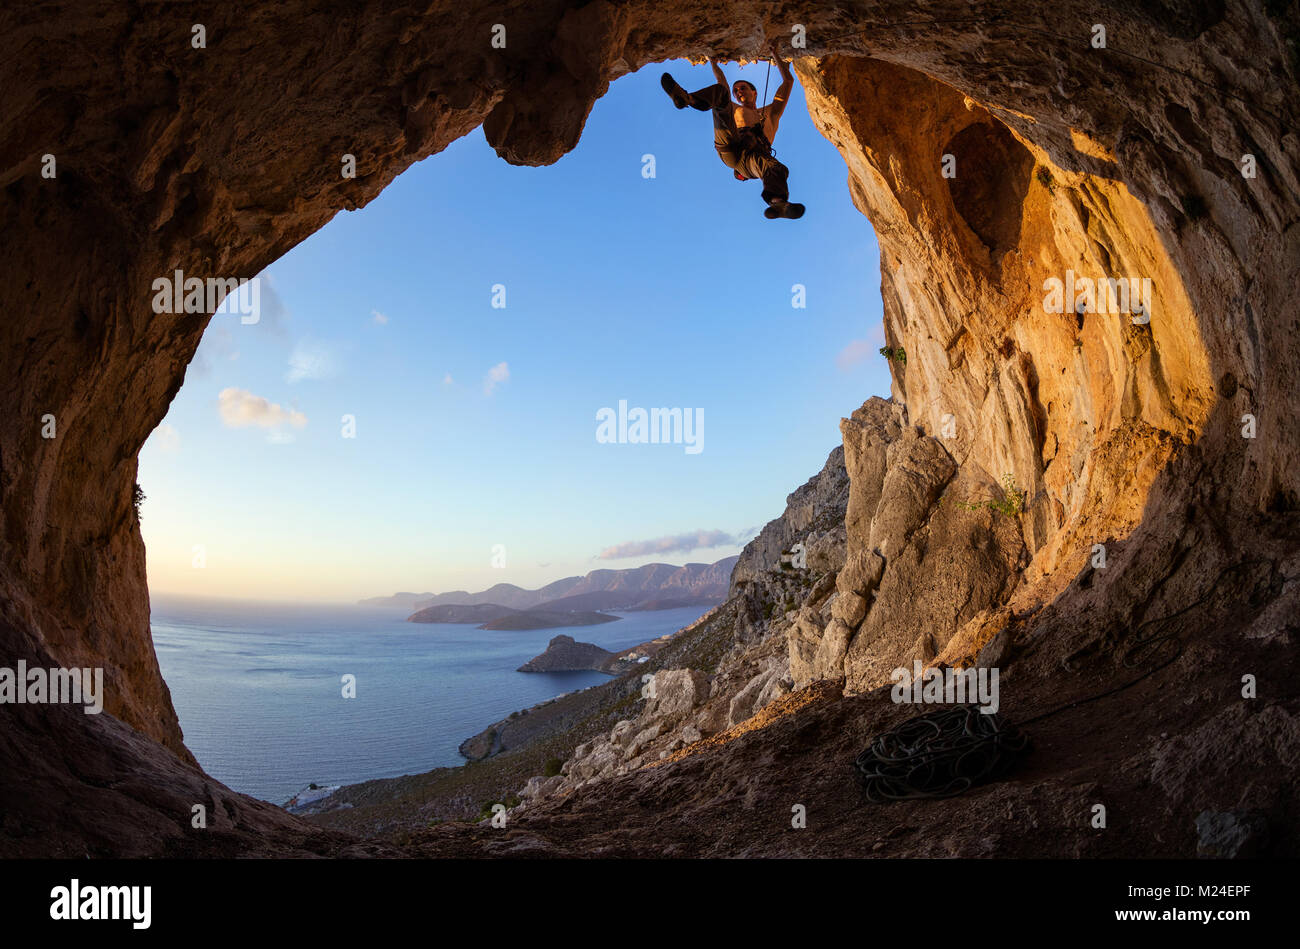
<point x="942" y="754"/>
<point x="947" y="752"/>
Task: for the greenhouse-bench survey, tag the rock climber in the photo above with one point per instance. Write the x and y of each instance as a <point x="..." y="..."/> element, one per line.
<point x="743" y="131"/>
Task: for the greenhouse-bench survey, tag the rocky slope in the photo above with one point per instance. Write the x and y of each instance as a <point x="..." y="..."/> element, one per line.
<point x="732" y="663"/>
<point x="814" y="514"/>
<point x="1019" y="439"/>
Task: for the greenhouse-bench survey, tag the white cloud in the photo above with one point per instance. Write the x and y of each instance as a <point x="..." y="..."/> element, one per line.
<point x="859" y="349"/>
<point x="379" y="317"/>
<point x="310" y="361"/>
<point x="273" y="315"/>
<point x="239" y="408"/>
<point x="677" y="543"/>
<point x="496" y="375"/>
<point x="166" y="438"/>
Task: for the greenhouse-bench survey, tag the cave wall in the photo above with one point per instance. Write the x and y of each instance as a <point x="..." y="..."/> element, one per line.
<point x="1080" y="411"/>
<point x="216" y="161"/>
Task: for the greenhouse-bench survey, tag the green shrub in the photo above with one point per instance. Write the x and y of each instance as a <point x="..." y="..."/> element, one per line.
<point x="485" y="811"/>
<point x="1012" y="502"/>
<point x="552" y="767"/>
<point x="1013" y="499"/>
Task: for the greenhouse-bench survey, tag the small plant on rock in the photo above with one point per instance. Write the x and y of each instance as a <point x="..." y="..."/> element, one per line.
<point x="1013" y="499"/>
<point x="1012" y="502"/>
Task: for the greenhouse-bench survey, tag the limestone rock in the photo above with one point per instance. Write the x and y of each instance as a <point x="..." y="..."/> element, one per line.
<point x="822" y="588"/>
<point x="849" y="609"/>
<point x="816" y="508"/>
<point x="675" y="692"/>
<point x="539" y="786"/>
<point x="947" y="571"/>
<point x="826" y="550"/>
<point x="917" y="468"/>
<point x="828" y="662"/>
<point x="867" y="435"/>
<point x="777" y="686"/>
<point x="712" y="718"/>
<point x="862" y="571"/>
<point x="744" y="703"/>
<point x="642" y="739"/>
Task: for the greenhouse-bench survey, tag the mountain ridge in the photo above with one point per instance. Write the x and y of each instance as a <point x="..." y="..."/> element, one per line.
<point x="604" y="589"/>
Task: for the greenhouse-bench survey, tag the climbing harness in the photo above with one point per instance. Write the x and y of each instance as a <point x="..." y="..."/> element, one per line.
<point x="755" y="132"/>
<point x="947" y="752"/>
<point x="753" y="140"/>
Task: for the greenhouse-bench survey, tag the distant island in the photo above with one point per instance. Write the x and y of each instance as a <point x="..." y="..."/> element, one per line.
<point x="492" y="616"/>
<point x="655" y="586"/>
<point x="565" y="654"/>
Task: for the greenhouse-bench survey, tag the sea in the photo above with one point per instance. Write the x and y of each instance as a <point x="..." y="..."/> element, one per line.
<point x="258" y="686"/>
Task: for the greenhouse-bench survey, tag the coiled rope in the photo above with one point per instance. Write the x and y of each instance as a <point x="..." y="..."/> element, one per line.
<point x="942" y="754"/>
<point x="947" y="752"/>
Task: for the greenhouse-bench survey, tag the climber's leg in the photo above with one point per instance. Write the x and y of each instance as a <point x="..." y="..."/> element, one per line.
<point x="681" y="98"/>
<point x="704" y="100"/>
<point x="715" y="98"/>
<point x="776" y="191"/>
<point x="731" y="152"/>
<point x="774" y="175"/>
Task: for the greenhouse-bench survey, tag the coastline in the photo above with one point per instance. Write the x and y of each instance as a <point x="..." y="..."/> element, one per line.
<point x="553" y="729"/>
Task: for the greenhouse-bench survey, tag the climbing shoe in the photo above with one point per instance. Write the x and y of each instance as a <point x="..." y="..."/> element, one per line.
<point x="681" y="98"/>
<point x="786" y="209"/>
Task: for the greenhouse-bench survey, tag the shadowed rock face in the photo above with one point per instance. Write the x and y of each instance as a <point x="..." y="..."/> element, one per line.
<point x="216" y="161"/>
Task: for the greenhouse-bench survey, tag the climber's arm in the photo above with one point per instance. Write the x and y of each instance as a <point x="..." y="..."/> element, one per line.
<point x="718" y="74"/>
<point x="782" y="95"/>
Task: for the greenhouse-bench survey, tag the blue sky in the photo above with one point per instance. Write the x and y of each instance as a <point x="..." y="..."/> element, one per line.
<point x="669" y="291"/>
